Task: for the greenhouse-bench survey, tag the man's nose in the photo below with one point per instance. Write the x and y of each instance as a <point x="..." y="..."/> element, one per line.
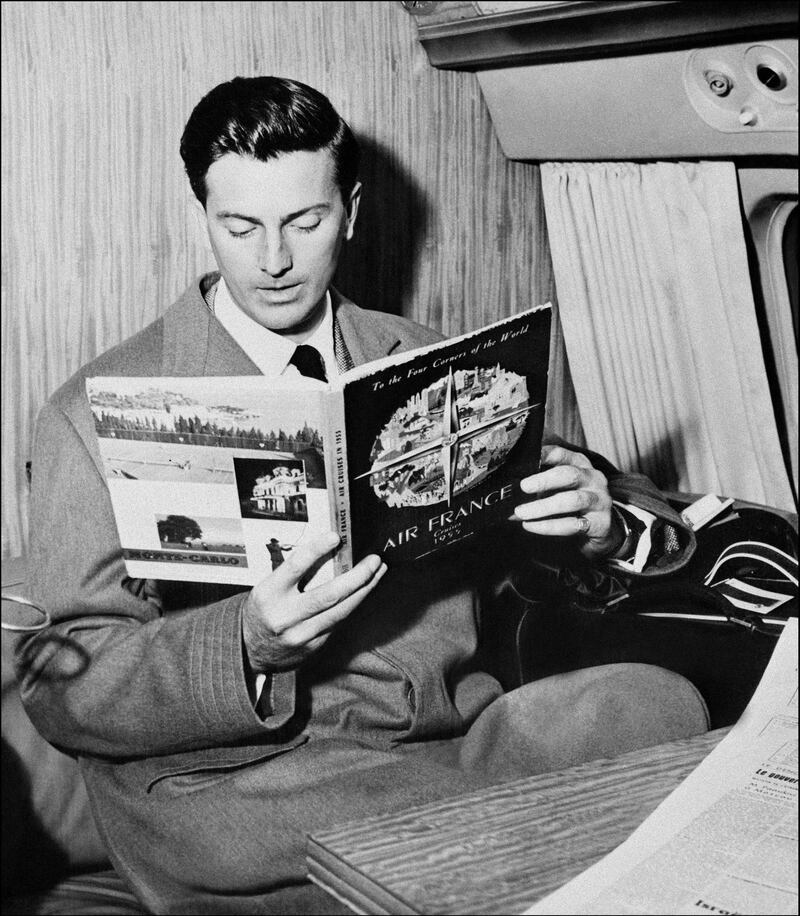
<point x="276" y="257"/>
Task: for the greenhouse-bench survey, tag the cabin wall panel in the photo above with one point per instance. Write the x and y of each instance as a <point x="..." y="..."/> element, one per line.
<point x="97" y="239"/>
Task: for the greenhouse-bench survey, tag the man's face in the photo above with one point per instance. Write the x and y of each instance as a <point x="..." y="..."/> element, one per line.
<point x="276" y="229"/>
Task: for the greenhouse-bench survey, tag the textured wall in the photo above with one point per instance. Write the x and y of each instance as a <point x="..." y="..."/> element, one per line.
<point x="97" y="239"/>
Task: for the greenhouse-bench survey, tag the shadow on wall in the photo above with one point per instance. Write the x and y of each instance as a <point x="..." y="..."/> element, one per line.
<point x="664" y="462"/>
<point x="378" y="264"/>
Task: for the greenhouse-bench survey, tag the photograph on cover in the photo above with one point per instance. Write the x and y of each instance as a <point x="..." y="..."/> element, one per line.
<point x="229" y="413"/>
<point x="207" y="535"/>
<point x="449" y="436"/>
<point x="270" y="542"/>
<point x="272" y="488"/>
<point x="277" y="551"/>
<point x="139" y="459"/>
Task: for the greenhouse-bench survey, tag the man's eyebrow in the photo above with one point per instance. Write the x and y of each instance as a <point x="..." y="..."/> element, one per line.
<point x="229" y="214"/>
<point x="321" y="206"/>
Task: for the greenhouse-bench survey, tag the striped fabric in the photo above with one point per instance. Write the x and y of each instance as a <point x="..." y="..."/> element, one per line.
<point x="343" y="358"/>
<point x="754" y="576"/>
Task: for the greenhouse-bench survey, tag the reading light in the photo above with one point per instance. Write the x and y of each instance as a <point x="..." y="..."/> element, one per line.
<point x="771" y="78"/>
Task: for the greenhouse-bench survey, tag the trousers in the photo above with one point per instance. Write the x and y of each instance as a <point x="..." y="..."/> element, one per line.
<point x="235" y="842"/>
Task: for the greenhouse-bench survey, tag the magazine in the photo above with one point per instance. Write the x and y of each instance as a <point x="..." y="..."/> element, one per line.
<point x="217" y="479"/>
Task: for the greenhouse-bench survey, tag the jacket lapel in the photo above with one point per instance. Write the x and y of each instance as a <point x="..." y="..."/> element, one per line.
<point x="195" y="343"/>
<point x="365" y="334"/>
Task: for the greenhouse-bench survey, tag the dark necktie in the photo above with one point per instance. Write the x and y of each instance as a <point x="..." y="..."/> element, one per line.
<point x="309" y="362"/>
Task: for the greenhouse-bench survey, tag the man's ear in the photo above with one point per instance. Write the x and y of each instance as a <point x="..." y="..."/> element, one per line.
<point x="352" y="209"/>
<point x="201" y="222"/>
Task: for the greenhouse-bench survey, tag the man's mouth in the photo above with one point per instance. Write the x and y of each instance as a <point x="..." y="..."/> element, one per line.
<point x="280" y="294"/>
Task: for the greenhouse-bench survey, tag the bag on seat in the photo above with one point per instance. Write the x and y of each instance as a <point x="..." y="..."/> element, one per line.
<point x="716" y="621"/>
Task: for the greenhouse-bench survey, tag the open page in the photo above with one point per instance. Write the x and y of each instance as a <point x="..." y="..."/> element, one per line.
<point x="725" y="841"/>
<point x="217" y="479"/>
<point x="212" y="479"/>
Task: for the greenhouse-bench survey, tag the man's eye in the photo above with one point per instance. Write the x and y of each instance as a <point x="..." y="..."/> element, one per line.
<point x="306" y="227"/>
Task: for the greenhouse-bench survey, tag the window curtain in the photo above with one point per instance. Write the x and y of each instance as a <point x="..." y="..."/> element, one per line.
<point x="660" y="327"/>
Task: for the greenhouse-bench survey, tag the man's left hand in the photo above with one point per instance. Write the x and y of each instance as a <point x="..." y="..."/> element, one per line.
<point x="573" y="502"/>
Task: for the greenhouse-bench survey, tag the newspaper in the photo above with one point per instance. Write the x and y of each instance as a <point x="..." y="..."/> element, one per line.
<point x="725" y="841"/>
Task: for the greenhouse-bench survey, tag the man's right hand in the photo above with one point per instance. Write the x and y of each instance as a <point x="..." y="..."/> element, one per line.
<point x="282" y="625"/>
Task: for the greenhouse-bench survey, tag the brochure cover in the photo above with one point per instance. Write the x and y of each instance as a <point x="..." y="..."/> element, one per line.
<point x="437" y="443"/>
<point x="211" y="479"/>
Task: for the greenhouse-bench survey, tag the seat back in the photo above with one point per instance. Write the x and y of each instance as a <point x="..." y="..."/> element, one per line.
<point x="47" y="827"/>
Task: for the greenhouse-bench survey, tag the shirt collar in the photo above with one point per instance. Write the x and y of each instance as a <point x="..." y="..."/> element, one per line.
<point x="271" y="352"/>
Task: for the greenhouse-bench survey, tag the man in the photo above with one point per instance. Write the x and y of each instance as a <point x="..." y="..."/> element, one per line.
<point x="276" y="550"/>
<point x="216" y="726"/>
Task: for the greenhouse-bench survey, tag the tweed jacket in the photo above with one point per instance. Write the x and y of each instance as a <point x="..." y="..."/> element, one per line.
<point x="152" y="673"/>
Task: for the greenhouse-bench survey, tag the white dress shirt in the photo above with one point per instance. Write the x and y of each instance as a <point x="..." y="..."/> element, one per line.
<point x="271" y="352"/>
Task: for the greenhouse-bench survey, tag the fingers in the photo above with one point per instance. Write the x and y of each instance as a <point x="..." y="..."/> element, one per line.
<point x="557" y="454"/>
<point x="288" y="606"/>
<point x="321" y="623"/>
<point x="573" y="497"/>
<point x="560" y="477"/>
<point x="342" y="587"/>
<point x="565" y="527"/>
<point x="560" y="515"/>
<point x="566" y="502"/>
<point x="303" y="558"/>
<point x="281" y="625"/>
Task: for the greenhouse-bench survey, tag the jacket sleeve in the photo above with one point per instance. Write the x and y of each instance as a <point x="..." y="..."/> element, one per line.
<point x="117" y="674"/>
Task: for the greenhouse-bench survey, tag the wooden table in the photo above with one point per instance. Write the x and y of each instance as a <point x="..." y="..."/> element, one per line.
<point x="499" y="850"/>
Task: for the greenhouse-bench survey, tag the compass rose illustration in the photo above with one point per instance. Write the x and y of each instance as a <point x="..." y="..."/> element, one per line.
<point x="450" y="453"/>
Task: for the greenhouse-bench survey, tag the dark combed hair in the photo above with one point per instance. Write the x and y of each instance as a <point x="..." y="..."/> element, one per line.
<point x="263" y="117"/>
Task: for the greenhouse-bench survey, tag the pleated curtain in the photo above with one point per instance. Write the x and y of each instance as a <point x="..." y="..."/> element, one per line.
<point x="660" y="327"/>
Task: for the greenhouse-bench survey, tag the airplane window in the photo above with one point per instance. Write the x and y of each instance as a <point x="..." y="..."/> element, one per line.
<point x="772" y="219"/>
<point x="789" y="245"/>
